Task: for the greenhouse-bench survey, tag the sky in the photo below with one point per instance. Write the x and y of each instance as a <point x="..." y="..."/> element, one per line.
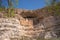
<point x="31" y="4"/>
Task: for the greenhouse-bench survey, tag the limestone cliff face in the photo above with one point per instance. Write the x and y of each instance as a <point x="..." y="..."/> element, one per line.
<point x="38" y="24"/>
<point x="32" y="24"/>
<point x="9" y="28"/>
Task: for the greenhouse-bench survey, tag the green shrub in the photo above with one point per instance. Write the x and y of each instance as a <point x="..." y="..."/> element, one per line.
<point x="9" y="13"/>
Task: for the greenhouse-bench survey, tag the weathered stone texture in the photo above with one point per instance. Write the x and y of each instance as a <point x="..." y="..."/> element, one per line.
<point x="9" y="28"/>
<point x="33" y="27"/>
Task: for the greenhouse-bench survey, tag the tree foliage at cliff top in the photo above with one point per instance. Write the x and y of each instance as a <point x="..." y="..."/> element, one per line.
<point x="54" y="6"/>
<point x="10" y="7"/>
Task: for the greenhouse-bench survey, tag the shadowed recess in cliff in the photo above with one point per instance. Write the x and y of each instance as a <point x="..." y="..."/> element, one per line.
<point x="29" y="14"/>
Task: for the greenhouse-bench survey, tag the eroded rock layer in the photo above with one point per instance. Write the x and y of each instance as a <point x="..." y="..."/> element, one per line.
<point x="32" y="24"/>
<point x="9" y="28"/>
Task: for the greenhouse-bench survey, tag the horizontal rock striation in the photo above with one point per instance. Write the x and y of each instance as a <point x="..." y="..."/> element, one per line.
<point x="12" y="28"/>
<point x="9" y="28"/>
<point x="33" y="24"/>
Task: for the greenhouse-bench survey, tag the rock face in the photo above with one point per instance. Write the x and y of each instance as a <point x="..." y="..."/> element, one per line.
<point x="29" y="24"/>
<point x="12" y="28"/>
<point x="9" y="28"/>
<point x="34" y="27"/>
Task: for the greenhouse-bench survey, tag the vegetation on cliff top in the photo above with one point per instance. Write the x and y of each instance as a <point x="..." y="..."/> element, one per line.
<point x="51" y="9"/>
<point x="10" y="8"/>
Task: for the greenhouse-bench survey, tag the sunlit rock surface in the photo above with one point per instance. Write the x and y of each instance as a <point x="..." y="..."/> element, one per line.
<point x="12" y="28"/>
<point x="29" y="24"/>
<point x="9" y="28"/>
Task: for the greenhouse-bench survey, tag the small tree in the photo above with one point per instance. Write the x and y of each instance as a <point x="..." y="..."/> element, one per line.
<point x="10" y="7"/>
<point x="10" y="10"/>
